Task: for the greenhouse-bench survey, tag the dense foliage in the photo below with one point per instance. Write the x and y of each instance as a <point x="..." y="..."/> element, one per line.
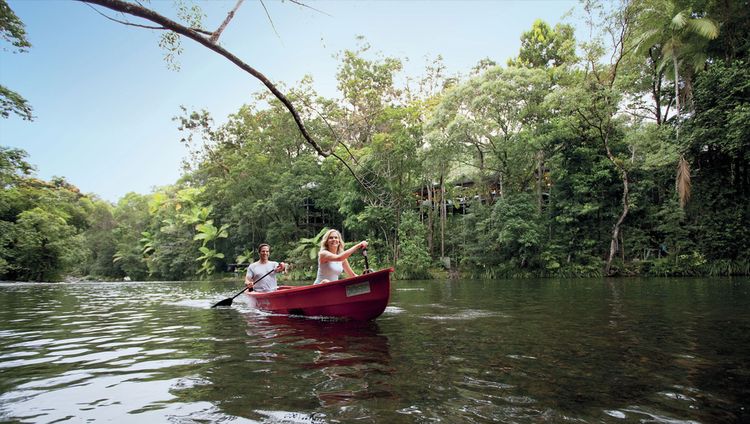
<point x="625" y="158"/>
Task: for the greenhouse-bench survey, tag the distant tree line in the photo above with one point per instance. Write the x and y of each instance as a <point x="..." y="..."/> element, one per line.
<point x="626" y="154"/>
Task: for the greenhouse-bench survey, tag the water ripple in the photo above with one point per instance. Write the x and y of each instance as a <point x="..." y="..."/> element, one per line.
<point x="515" y="352"/>
<point x="466" y="314"/>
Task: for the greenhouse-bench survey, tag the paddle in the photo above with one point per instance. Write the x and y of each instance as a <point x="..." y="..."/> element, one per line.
<point x="228" y="301"/>
<point x="367" y="265"/>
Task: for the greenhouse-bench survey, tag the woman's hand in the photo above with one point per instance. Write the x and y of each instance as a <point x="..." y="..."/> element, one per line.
<point x="363" y="245"/>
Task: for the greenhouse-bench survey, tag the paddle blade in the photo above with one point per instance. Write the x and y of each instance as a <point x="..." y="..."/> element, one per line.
<point x="225" y="302"/>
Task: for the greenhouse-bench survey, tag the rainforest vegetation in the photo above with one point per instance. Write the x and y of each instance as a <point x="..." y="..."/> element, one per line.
<point x="627" y="153"/>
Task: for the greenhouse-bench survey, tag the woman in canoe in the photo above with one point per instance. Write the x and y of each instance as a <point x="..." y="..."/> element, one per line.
<point x="332" y="258"/>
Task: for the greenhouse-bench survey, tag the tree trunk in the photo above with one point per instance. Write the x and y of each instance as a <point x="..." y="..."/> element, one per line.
<point x="656" y="89"/>
<point x="430" y="220"/>
<point x="677" y="94"/>
<point x="501" y="187"/>
<point x="614" y="242"/>
<point x="443" y="216"/>
<point x="387" y="243"/>
<point x="539" y="179"/>
<point x="396" y="250"/>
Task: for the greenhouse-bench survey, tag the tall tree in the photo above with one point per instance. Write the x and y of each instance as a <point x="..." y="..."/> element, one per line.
<point x="551" y="50"/>
<point x="599" y="98"/>
<point x="490" y="119"/>
<point x="679" y="36"/>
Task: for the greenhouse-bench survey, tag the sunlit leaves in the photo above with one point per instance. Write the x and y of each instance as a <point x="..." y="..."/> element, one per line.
<point x="207" y="232"/>
<point x="546" y="47"/>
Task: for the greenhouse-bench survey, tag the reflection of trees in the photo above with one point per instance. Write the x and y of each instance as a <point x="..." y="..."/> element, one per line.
<point x="265" y="364"/>
<point x="354" y="357"/>
<point x="660" y="350"/>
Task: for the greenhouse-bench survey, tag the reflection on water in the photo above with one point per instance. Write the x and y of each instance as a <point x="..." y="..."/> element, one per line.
<point x="306" y="364"/>
<point x="353" y="356"/>
<point x="591" y="351"/>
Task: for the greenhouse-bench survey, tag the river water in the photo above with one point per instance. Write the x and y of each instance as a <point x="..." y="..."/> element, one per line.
<point x="520" y="351"/>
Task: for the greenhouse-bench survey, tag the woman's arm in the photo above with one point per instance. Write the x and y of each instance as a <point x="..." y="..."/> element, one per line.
<point x="348" y="269"/>
<point x="326" y="256"/>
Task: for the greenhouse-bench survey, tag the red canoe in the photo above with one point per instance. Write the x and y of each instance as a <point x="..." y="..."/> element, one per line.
<point x="359" y="298"/>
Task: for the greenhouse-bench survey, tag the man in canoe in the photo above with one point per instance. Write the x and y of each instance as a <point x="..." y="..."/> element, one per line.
<point x="332" y="258"/>
<point x="261" y="274"/>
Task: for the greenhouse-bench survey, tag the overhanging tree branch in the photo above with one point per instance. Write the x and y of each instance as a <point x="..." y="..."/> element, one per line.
<point x="150" y="15"/>
<point x="135" y="9"/>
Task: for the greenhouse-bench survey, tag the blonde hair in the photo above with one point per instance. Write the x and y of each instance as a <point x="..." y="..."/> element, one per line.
<point x="324" y="241"/>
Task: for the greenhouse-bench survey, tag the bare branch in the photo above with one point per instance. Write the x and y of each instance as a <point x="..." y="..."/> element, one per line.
<point x="635" y="114"/>
<point x="216" y="34"/>
<point x="139" y="25"/>
<point x="351" y="171"/>
<point x="268" y="15"/>
<point x="331" y="129"/>
<point x="137" y="10"/>
<point x="299" y="3"/>
<point x="123" y="22"/>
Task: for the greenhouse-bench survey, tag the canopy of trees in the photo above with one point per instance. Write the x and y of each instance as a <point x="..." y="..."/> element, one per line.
<point x="628" y="154"/>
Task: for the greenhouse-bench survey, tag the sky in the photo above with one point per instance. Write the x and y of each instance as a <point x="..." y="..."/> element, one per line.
<point x="104" y="99"/>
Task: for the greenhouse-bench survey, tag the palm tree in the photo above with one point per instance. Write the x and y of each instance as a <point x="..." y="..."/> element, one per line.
<point x="681" y="36"/>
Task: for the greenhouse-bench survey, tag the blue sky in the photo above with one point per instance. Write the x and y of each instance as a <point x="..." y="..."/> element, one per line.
<point x="104" y="98"/>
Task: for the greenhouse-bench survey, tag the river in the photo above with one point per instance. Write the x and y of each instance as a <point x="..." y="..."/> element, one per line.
<point x="521" y="351"/>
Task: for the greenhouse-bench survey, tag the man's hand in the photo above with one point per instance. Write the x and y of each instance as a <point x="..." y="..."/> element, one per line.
<point x="248" y="284"/>
<point x="282" y="267"/>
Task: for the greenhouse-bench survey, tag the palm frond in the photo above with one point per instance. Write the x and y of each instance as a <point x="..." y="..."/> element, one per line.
<point x="698" y="61"/>
<point x="705" y="27"/>
<point x="680" y="20"/>
<point x="647" y="39"/>
<point x="682" y="181"/>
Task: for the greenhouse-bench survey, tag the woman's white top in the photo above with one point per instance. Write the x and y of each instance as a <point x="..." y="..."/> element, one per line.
<point x="329" y="271"/>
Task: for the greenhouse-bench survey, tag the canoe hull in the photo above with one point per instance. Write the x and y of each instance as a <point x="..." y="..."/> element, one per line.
<point x="360" y="298"/>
